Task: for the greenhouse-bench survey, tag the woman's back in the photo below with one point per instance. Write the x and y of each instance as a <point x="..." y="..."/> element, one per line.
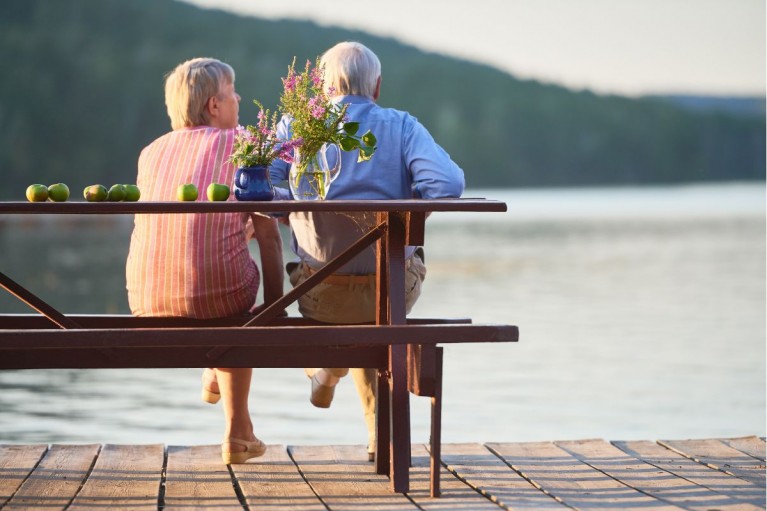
<point x="193" y="265"/>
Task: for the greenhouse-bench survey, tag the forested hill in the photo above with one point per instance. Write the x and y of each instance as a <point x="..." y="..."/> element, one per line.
<point x="82" y="93"/>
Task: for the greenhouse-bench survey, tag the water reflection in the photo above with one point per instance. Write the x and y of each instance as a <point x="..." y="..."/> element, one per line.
<point x="631" y="327"/>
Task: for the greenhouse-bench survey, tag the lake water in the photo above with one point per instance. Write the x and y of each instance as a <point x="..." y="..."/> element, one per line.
<point x="641" y="314"/>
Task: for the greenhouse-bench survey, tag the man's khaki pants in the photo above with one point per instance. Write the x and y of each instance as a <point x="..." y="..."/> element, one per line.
<point x="353" y="300"/>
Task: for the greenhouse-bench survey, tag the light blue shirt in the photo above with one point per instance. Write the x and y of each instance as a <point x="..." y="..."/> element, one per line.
<point x="407" y="164"/>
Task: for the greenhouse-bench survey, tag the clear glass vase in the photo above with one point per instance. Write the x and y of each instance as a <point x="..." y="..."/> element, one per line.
<point x="310" y="179"/>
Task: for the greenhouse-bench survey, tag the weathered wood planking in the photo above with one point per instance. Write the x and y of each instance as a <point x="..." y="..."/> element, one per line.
<point x="345" y="480"/>
<point x="573" y="482"/>
<point x="196" y="478"/>
<point x="692" y="471"/>
<point x="751" y="445"/>
<point x="16" y="463"/>
<point x="455" y="494"/>
<point x="274" y="482"/>
<point x="650" y="479"/>
<point x="125" y="477"/>
<point x="489" y="475"/>
<point x="716" y="454"/>
<point x="56" y="479"/>
<point x="587" y="474"/>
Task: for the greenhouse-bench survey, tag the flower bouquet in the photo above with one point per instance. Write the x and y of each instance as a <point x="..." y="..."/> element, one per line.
<point x="255" y="148"/>
<point x="317" y="124"/>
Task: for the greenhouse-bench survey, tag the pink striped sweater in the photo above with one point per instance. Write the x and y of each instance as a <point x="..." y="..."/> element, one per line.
<point x="191" y="265"/>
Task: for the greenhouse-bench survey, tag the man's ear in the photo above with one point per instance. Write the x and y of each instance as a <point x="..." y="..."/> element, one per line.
<point x="378" y="89"/>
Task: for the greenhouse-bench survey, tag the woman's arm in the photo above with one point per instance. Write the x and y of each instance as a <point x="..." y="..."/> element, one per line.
<point x="267" y="236"/>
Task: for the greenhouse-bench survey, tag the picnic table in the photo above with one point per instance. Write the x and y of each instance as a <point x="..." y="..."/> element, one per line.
<point x="404" y="350"/>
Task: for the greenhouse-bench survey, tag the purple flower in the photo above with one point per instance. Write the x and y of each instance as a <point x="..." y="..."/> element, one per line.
<point x="318" y="112"/>
<point x="290" y="82"/>
<point x="317" y="77"/>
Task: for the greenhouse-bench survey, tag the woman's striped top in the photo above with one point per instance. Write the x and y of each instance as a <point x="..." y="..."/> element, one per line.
<point x="190" y="265"/>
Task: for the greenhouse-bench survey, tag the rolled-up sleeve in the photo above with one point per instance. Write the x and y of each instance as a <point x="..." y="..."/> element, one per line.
<point x="279" y="169"/>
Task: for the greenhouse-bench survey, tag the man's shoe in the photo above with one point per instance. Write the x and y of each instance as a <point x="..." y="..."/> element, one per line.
<point x="322" y="395"/>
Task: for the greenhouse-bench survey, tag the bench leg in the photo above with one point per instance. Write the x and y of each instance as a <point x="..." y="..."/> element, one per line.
<point x="436" y="426"/>
<point x="383" y="432"/>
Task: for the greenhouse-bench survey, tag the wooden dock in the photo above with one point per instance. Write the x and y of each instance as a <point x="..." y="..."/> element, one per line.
<point x="721" y="474"/>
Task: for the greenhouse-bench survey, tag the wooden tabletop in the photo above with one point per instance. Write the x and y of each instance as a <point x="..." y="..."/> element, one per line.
<point x="276" y="206"/>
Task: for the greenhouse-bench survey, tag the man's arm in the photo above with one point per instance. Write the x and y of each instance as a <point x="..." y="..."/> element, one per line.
<point x="434" y="174"/>
<point x="280" y="169"/>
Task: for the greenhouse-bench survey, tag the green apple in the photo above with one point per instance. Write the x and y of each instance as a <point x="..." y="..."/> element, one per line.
<point x="95" y="193"/>
<point x="187" y="192"/>
<point x="218" y="192"/>
<point x="132" y="193"/>
<point x="58" y="192"/>
<point x="116" y="193"/>
<point x="37" y="193"/>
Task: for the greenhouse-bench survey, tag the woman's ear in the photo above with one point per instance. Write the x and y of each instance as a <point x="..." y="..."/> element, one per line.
<point x="212" y="107"/>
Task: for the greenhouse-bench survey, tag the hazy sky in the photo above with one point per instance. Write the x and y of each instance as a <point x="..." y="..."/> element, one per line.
<point x="613" y="46"/>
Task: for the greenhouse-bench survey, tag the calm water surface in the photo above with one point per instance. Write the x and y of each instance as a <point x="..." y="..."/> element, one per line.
<point x="641" y="310"/>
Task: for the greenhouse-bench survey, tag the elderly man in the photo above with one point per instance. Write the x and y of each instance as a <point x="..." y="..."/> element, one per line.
<point x="407" y="164"/>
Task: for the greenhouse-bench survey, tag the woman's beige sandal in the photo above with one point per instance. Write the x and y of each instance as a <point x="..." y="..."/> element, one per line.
<point x="254" y="449"/>
<point x="207" y="394"/>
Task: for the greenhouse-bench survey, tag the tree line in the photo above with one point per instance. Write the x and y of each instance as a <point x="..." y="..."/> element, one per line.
<point x="82" y="93"/>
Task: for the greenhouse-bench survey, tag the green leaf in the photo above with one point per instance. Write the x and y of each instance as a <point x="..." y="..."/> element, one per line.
<point x="369" y="139"/>
<point x="365" y="154"/>
<point x="351" y="127"/>
<point x="349" y="144"/>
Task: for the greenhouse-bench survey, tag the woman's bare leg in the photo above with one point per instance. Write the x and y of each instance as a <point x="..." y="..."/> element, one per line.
<point x="234" y="385"/>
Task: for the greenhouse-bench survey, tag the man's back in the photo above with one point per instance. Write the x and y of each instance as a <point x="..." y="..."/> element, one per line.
<point x="408" y="163"/>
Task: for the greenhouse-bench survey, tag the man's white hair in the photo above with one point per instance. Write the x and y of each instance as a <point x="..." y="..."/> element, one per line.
<point x="351" y="68"/>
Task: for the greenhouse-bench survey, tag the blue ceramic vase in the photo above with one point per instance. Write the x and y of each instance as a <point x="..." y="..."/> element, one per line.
<point x="253" y="183"/>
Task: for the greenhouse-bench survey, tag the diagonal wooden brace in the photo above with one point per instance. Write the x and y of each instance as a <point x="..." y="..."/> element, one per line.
<point x="347" y="255"/>
<point x="36" y="303"/>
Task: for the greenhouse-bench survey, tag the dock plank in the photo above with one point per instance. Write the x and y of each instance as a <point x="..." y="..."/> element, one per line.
<point x="650" y="479"/>
<point x="718" y="455"/>
<point x="195" y="477"/>
<point x="751" y="445"/>
<point x="125" y="477"/>
<point x="455" y="494"/>
<point x="692" y="471"/>
<point x="56" y="479"/>
<point x="489" y="475"/>
<point x="582" y="474"/>
<point x="16" y="463"/>
<point x="573" y="482"/>
<point x="273" y="481"/>
<point x="344" y="479"/>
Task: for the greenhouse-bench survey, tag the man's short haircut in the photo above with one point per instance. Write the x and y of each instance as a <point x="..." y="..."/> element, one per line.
<point x="351" y="68"/>
<point x="189" y="87"/>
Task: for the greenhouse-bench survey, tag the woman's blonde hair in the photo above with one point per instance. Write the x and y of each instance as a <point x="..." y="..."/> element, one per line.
<point x="189" y="87"/>
<point x="351" y="68"/>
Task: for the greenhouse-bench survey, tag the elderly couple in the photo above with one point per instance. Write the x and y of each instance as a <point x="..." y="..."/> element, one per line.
<point x="199" y="265"/>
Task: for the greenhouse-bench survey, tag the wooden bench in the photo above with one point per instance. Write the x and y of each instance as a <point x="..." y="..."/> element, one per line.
<point x="404" y="351"/>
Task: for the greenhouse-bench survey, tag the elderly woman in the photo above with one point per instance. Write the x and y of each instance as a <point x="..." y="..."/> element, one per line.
<point x="198" y="265"/>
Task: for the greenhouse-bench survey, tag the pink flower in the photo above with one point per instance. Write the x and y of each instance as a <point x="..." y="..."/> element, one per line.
<point x="317" y="77"/>
<point x="290" y="82"/>
<point x="318" y="112"/>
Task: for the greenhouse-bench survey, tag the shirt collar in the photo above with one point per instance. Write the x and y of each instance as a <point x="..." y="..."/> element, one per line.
<point x="356" y="100"/>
